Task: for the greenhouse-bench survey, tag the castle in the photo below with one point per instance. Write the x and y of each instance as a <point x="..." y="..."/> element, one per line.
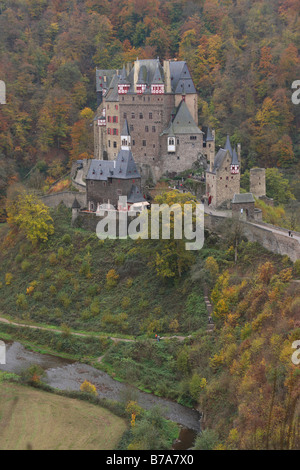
<point x="160" y="104"/>
<point x="152" y="109"/>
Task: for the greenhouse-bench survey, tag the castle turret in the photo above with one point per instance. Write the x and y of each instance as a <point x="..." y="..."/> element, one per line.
<point x="75" y="210"/>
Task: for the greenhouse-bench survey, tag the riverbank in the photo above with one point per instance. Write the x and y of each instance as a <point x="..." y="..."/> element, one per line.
<point x="68" y="376"/>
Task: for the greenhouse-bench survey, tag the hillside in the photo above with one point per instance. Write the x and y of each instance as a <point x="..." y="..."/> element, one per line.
<point x="241" y="374"/>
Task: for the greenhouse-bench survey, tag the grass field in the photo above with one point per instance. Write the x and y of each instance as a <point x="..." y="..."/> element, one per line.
<point x="33" y="419"/>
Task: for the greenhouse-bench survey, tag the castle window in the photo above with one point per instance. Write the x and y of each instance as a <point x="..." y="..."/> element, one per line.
<point x="193" y="137"/>
<point x="177" y="141"/>
<point x="109" y="130"/>
<point x="115" y="118"/>
<point x="133" y="142"/>
<point x="150" y="115"/>
<point x="209" y="145"/>
<point x="132" y="116"/>
<point x="133" y="98"/>
<point x="109" y="118"/>
<point x="115" y="132"/>
<point x="117" y="107"/>
<point x="125" y="115"/>
<point x="141" y="116"/>
<point x="153" y="129"/>
<point x="144" y="143"/>
<point x="146" y="129"/>
<point x="178" y="158"/>
<point x="171" y="144"/>
<point x="109" y="143"/>
<point x="115" y="144"/>
<point x="131" y="127"/>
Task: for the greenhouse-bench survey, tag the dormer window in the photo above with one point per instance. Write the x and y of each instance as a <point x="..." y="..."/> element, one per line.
<point x="123" y="88"/>
<point x="157" y="89"/>
<point x="141" y="88"/>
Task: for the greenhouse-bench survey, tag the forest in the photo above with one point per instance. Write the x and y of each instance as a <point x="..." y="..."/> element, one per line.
<point x="243" y="56"/>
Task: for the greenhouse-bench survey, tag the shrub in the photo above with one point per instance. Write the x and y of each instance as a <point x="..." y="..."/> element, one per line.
<point x="111" y="278"/>
<point x="8" y="278"/>
<point x="87" y="387"/>
<point x="66" y="239"/>
<point x="52" y="259"/>
<point x="22" y="301"/>
<point x="25" y="265"/>
<point x="125" y="302"/>
<point x="38" y="296"/>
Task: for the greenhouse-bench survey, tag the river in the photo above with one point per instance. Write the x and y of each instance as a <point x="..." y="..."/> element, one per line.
<point x="64" y="374"/>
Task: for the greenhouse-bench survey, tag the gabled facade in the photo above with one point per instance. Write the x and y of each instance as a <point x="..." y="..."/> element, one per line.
<point x="107" y="180"/>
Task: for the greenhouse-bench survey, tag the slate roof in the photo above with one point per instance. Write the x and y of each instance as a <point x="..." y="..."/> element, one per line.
<point x="150" y="72"/>
<point x="135" y="195"/>
<point x="219" y="158"/>
<point x="125" y="129"/>
<point x="235" y="160"/>
<point x="181" y="80"/>
<point x="100" y="74"/>
<point x="207" y="137"/>
<point x="183" y="122"/>
<point x="112" y="93"/>
<point x="158" y="74"/>
<point x="100" y="170"/>
<point x="122" y="168"/>
<point x="76" y="204"/>
<point x="243" y="198"/>
<point x="228" y="145"/>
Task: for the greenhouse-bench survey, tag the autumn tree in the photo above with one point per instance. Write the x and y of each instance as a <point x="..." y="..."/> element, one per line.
<point x="27" y="214"/>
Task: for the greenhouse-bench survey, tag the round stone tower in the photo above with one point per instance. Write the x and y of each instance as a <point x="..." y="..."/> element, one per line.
<point x="258" y="182"/>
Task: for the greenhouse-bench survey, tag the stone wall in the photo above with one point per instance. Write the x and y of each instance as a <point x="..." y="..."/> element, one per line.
<point x="275" y="242"/>
<point x="66" y="197"/>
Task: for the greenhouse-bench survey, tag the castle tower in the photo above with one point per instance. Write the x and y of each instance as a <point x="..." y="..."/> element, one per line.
<point x="210" y="147"/>
<point x="258" y="182"/>
<point x="75" y="210"/>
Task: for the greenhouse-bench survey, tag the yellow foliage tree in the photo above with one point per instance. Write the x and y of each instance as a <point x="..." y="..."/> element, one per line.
<point x="30" y="216"/>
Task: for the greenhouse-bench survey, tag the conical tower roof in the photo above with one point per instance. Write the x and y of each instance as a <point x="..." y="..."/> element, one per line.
<point x="125" y="129"/>
<point x="228" y="145"/>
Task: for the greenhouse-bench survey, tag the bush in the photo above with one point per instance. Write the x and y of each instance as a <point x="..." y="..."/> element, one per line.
<point x="111" y="278"/>
<point x="87" y="387"/>
<point x="25" y="265"/>
<point x="22" y="301"/>
<point x="66" y="239"/>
